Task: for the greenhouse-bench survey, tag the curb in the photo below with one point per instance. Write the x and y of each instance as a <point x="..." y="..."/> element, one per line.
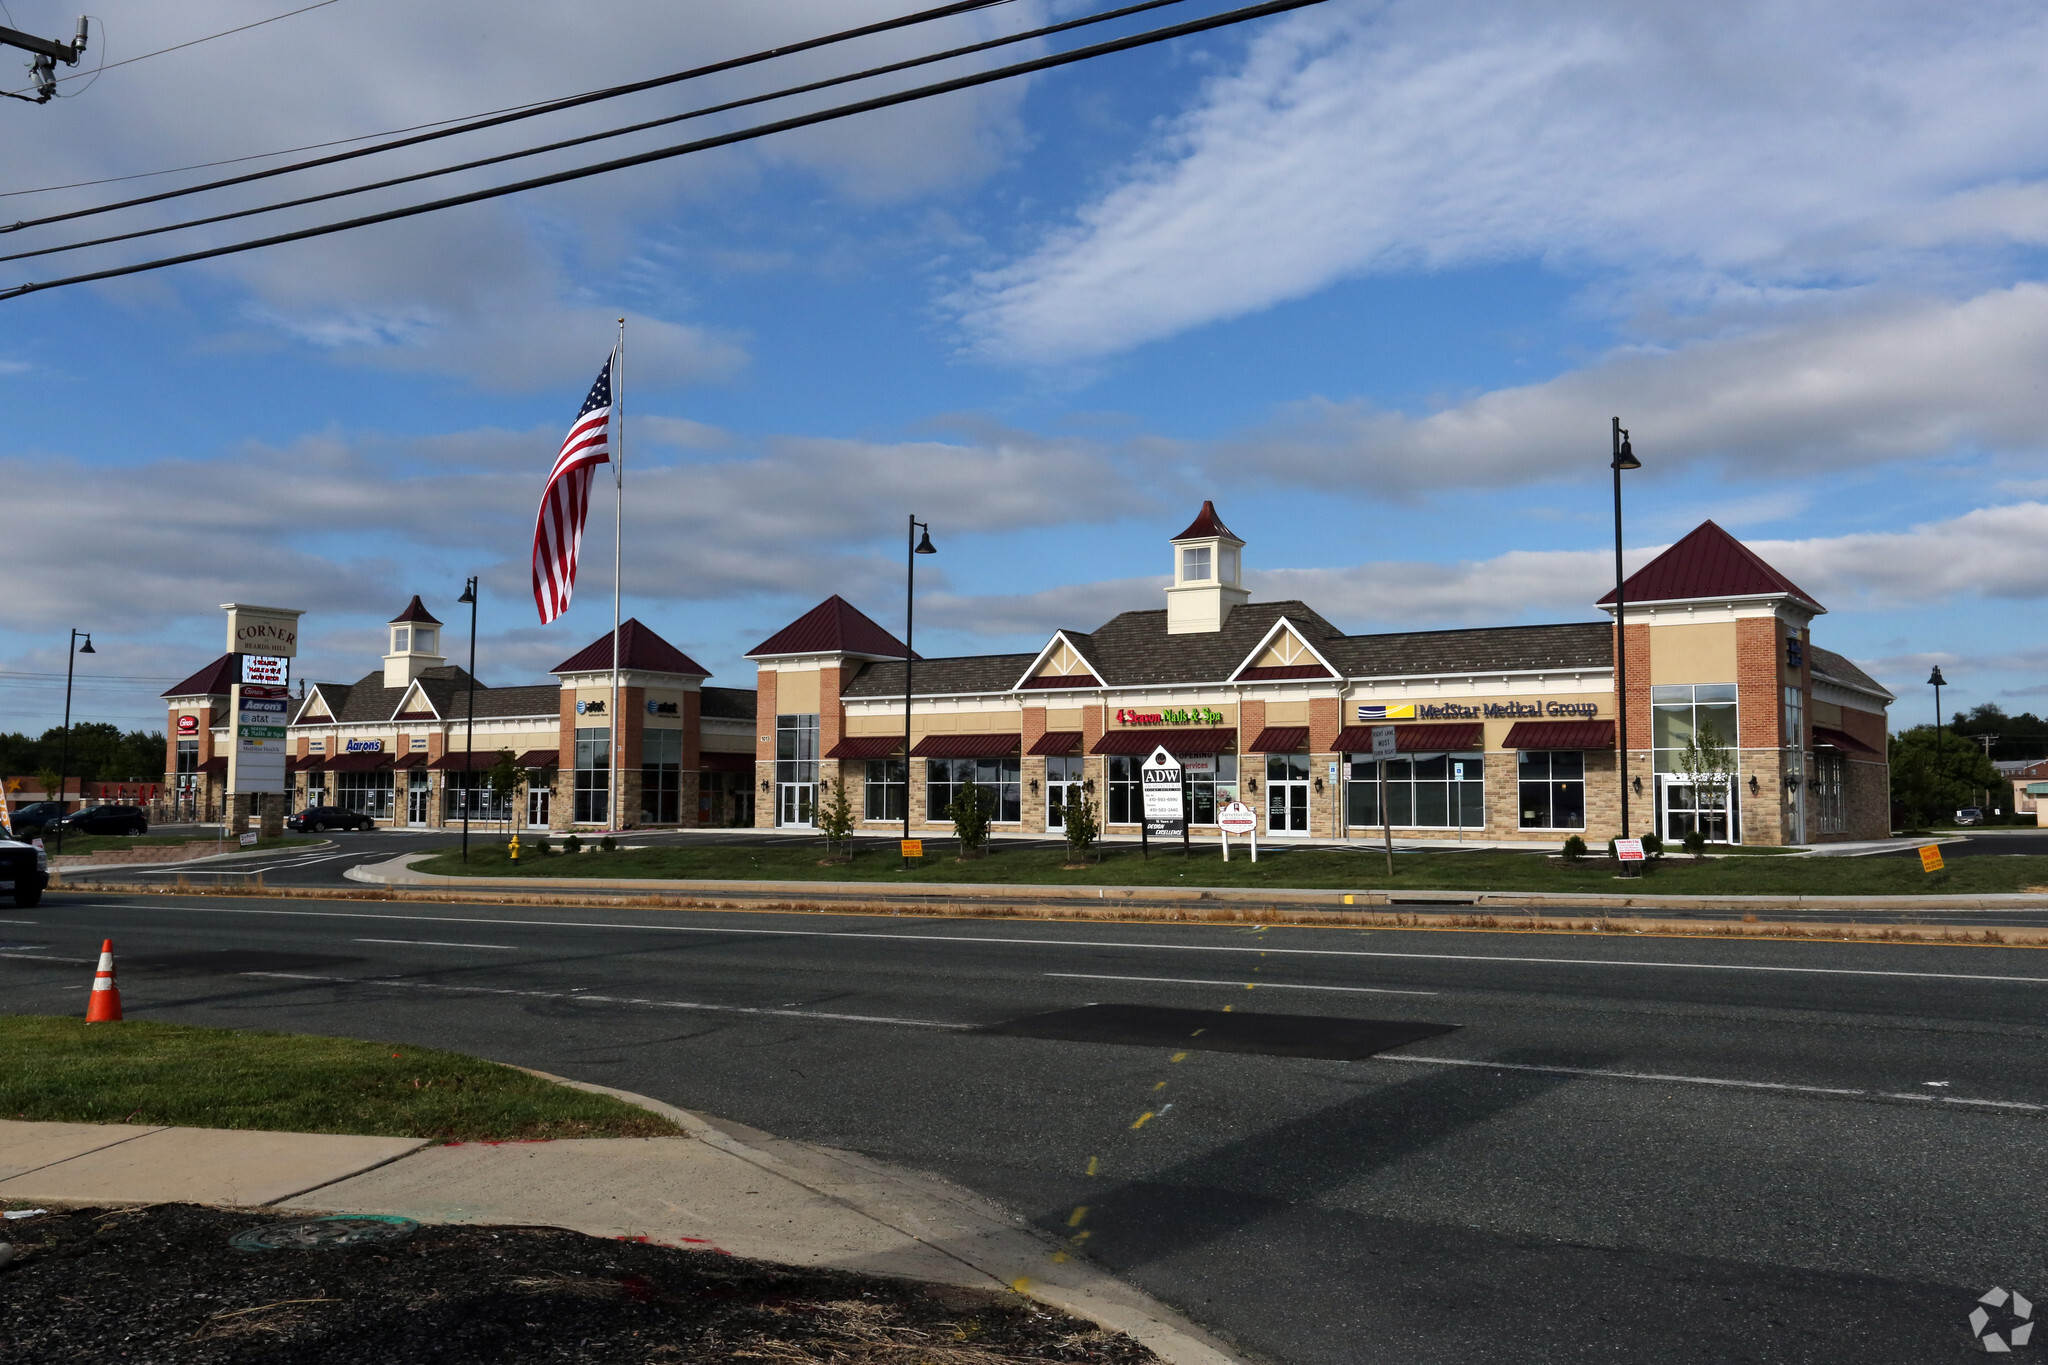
<point x="985" y="1239"/>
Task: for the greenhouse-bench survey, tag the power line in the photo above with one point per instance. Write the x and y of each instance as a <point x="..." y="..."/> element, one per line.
<point x="1145" y="39"/>
<point x="179" y="47"/>
<point x="532" y="111"/>
<point x="729" y="105"/>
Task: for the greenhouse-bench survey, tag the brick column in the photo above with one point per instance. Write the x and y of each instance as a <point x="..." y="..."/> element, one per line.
<point x="1759" y="715"/>
<point x="764" y="751"/>
<point x="693" y="756"/>
<point x="562" y="805"/>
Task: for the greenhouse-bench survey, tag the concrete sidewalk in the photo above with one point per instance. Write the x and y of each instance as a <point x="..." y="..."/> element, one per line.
<point x="721" y="1188"/>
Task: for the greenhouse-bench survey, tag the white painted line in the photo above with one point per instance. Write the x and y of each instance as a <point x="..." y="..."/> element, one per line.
<point x="44" y="957"/>
<point x="18" y="921"/>
<point x="607" y="999"/>
<point x="1716" y="1081"/>
<point x="435" y="943"/>
<point x="1104" y="943"/>
<point x="1239" y="985"/>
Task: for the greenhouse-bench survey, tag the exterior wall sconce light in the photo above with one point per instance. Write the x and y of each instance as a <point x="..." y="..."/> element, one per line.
<point x="1319" y="784"/>
<point x="1754" y="785"/>
<point x="1638" y="781"/>
<point x="1034" y="786"/>
<point x="1251" y="784"/>
<point x="764" y="784"/>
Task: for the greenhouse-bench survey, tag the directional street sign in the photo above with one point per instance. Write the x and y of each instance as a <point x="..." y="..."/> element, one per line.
<point x="1160" y="779"/>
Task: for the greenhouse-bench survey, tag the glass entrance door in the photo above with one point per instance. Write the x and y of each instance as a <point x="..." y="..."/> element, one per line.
<point x="794" y="803"/>
<point x="1062" y="775"/>
<point x="537" y="795"/>
<point x="416" y="804"/>
<point x="1287" y="793"/>
<point x="1687" y="807"/>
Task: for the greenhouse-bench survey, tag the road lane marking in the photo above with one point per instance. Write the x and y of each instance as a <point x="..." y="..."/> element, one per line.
<point x="1101" y="943"/>
<point x="1263" y="985"/>
<point x="436" y="943"/>
<point x="586" y="997"/>
<point x="1720" y="1081"/>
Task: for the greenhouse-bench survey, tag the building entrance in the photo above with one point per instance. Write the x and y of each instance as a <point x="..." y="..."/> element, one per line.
<point x="793" y="803"/>
<point x="416" y="793"/>
<point x="537" y="806"/>
<point x="1687" y="808"/>
<point x="1062" y="776"/>
<point x="1287" y="793"/>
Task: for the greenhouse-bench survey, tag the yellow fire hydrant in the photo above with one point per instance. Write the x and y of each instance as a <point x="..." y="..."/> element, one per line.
<point x="515" y="848"/>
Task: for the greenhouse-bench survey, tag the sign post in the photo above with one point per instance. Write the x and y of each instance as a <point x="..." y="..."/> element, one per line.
<point x="1383" y="754"/>
<point x="1165" y="808"/>
<point x="1238" y="818"/>
<point x="263" y="641"/>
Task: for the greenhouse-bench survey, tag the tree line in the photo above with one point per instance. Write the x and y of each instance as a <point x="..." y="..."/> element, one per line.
<point x="99" y="753"/>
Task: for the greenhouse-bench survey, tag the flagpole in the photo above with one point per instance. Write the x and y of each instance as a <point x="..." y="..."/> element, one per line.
<point x="618" y="728"/>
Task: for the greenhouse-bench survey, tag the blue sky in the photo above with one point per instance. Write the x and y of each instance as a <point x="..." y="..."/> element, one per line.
<point x="1373" y="276"/>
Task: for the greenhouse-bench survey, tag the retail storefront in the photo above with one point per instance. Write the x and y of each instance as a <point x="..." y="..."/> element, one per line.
<point x="1738" y="725"/>
<point x="395" y="744"/>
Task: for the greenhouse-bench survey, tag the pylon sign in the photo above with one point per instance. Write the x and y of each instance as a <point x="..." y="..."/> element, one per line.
<point x="1160" y="780"/>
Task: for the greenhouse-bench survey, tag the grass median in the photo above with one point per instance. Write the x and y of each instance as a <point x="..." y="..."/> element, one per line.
<point x="1278" y="868"/>
<point x="144" y="1072"/>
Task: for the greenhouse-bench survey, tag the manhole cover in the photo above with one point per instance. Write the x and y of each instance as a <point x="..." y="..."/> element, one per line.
<point x="324" y="1234"/>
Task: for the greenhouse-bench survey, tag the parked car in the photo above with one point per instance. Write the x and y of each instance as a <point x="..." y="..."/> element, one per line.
<point x="24" y="871"/>
<point x="105" y="820"/>
<point x="1970" y="815"/>
<point x="319" y="819"/>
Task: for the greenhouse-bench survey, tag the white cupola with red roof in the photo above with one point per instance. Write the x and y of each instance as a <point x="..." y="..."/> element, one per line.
<point x="1207" y="567"/>
<point x="415" y="640"/>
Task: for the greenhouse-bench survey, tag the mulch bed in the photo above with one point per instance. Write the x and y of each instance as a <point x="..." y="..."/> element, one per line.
<point x="163" y="1284"/>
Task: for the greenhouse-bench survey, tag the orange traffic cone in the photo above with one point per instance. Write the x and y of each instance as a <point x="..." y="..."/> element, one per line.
<point x="104" y="1006"/>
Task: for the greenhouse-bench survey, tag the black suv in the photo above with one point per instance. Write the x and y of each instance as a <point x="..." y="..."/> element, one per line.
<point x="318" y="819"/>
<point x="105" y="820"/>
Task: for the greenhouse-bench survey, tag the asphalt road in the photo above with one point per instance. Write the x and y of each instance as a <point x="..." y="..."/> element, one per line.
<point x="1626" y="1148"/>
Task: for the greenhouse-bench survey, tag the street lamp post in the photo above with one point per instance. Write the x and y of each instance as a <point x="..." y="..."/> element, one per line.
<point x="469" y="745"/>
<point x="1937" y="682"/>
<point x="1624" y="458"/>
<point x="915" y="546"/>
<point x="71" y="654"/>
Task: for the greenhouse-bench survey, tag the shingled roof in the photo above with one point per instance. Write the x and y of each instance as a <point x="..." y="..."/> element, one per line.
<point x="834" y="626"/>
<point x="213" y="680"/>
<point x="1832" y="666"/>
<point x="640" y="650"/>
<point x="367" y="701"/>
<point x="729" y="703"/>
<point x="1708" y="562"/>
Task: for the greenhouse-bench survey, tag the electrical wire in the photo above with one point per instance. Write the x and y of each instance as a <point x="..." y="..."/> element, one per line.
<point x="979" y="78"/>
<point x="532" y="111"/>
<point x="180" y="47"/>
<point x="502" y="157"/>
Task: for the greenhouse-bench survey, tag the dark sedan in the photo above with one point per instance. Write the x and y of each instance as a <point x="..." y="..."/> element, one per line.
<point x="319" y="819"/>
<point x="106" y="820"/>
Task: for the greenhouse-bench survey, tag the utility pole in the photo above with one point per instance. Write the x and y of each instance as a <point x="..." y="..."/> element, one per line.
<point x="47" y="55"/>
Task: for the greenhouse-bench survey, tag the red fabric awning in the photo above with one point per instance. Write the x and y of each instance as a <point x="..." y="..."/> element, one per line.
<point x="1176" y="742"/>
<point x="867" y="746"/>
<point x="1056" y="742"/>
<point x="1841" y="739"/>
<point x="1416" y="739"/>
<point x="725" y="763"/>
<point x="411" y="760"/>
<point x="480" y="761"/>
<point x="965" y="746"/>
<point x="1279" y="739"/>
<point x="540" y="758"/>
<point x="1561" y="734"/>
<point x="358" y="763"/>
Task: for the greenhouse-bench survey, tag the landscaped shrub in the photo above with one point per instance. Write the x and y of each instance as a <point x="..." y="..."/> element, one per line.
<point x="608" y="844"/>
<point x="1653" y="847"/>
<point x="542" y="844"/>
<point x="1696" y="844"/>
<point x="1574" y="848"/>
<point x="573" y="844"/>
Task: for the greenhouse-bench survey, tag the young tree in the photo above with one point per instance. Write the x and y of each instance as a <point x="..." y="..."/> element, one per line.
<point x="970" y="813"/>
<point x="503" y="780"/>
<point x="1708" y="765"/>
<point x="1078" y="818"/>
<point x="836" y="818"/>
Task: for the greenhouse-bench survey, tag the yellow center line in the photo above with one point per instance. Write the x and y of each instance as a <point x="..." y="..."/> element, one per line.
<point x="1144" y="1118"/>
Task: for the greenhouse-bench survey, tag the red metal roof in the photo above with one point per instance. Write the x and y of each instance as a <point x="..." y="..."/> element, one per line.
<point x="540" y="758"/>
<point x="1065" y="680"/>
<point x="1279" y="739"/>
<point x="1284" y="671"/>
<point x="1707" y="562"/>
<point x="965" y="746"/>
<point x="409" y="760"/>
<point x="1561" y="734"/>
<point x="1056" y="742"/>
<point x="415" y="610"/>
<point x="866" y="746"/>
<point x="1179" y="742"/>
<point x="834" y="626"/>
<point x="216" y="677"/>
<point x="1840" y="739"/>
<point x="481" y="761"/>
<point x="358" y="763"/>
<point x="1207" y="523"/>
<point x="1415" y="739"/>
<point x="640" y="650"/>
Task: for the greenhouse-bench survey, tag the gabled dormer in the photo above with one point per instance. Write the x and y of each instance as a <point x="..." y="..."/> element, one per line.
<point x="416" y="705"/>
<point x="1062" y="663"/>
<point x="1283" y="654"/>
<point x="415" y="638"/>
<point x="1207" y="566"/>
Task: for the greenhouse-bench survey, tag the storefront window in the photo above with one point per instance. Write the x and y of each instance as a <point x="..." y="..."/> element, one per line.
<point x="365" y="793"/>
<point x="1425" y="791"/>
<point x="473" y="790"/>
<point x="593" y="774"/>
<point x="188" y="757"/>
<point x="1210" y="780"/>
<point x="884" y="791"/>
<point x="316" y="787"/>
<point x="1680" y="712"/>
<point x="944" y="777"/>
<point x="1553" y="788"/>
<point x="661" y="777"/>
<point x="1126" y="806"/>
<point x="1830" y="803"/>
<point x="796" y="768"/>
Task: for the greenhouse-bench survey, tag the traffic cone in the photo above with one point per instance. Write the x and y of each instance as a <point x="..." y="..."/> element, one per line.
<point x="104" y="1005"/>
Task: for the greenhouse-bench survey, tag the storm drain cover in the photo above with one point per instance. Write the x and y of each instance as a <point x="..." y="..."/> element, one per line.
<point x="324" y="1234"/>
<point x="1275" y="1035"/>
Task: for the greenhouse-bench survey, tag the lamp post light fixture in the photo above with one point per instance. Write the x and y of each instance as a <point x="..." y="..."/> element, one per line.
<point x="1937" y="682"/>
<point x="71" y="653"/>
<point x="916" y="545"/>
<point x="1624" y="458"/>
<point x="469" y="757"/>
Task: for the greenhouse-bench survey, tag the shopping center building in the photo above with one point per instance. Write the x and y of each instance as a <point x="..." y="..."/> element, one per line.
<point x="1503" y="733"/>
<point x="394" y="744"/>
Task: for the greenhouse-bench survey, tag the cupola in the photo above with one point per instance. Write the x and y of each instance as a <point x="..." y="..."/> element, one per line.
<point x="1207" y="565"/>
<point x="415" y="636"/>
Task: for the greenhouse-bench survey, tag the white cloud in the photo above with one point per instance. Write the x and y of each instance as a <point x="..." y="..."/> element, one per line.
<point x="1749" y="148"/>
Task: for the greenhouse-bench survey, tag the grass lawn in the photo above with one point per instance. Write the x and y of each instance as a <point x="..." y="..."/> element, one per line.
<point x="59" y="1070"/>
<point x="93" y="843"/>
<point x="1303" y="868"/>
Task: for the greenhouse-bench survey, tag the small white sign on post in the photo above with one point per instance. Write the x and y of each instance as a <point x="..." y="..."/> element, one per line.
<point x="1238" y="818"/>
<point x="1629" y="850"/>
<point x="1382" y="741"/>
<point x="249" y="839"/>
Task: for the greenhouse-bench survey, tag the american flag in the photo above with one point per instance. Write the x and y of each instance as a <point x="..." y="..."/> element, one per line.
<point x="558" y="528"/>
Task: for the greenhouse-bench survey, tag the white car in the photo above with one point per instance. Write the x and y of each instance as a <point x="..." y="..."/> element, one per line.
<point x="24" y="870"/>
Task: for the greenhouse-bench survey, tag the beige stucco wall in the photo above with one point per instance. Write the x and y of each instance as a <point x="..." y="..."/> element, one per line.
<point x="1702" y="653"/>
